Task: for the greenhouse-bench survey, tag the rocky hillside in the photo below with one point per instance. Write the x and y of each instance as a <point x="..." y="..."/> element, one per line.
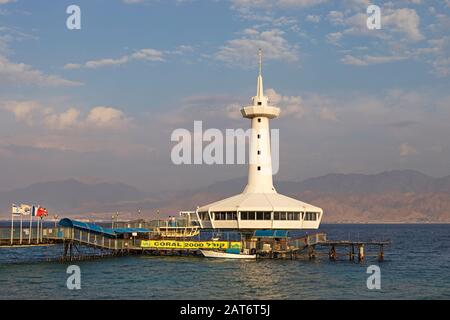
<point x="394" y="196"/>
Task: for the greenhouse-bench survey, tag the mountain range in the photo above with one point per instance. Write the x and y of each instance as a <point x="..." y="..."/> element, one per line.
<point x="404" y="196"/>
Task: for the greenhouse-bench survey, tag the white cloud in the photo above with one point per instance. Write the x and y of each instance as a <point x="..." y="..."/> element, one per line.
<point x="107" y="117"/>
<point x="4" y="44"/>
<point x="10" y="34"/>
<point x="289" y="105"/>
<point x="407" y="150"/>
<point x="405" y="21"/>
<point x="334" y="37"/>
<point x="243" y="51"/>
<point x="399" y="39"/>
<point x="34" y="114"/>
<point x="335" y="17"/>
<point x="267" y="4"/>
<point x="63" y="120"/>
<point x="93" y="64"/>
<point x="400" y="30"/>
<point x="233" y="111"/>
<point x="394" y="23"/>
<point x="220" y="109"/>
<point x="147" y="54"/>
<point x="312" y="106"/>
<point x="328" y="114"/>
<point x="437" y="55"/>
<point x="71" y="66"/>
<point x="211" y="107"/>
<point x="181" y="49"/>
<point x="6" y="1"/>
<point x="441" y="66"/>
<point x="133" y="1"/>
<point x="22" y="110"/>
<point x="313" y="18"/>
<point x="367" y="60"/>
<point x="23" y="74"/>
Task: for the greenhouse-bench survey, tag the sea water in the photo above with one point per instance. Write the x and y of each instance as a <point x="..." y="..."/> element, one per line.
<point x="416" y="266"/>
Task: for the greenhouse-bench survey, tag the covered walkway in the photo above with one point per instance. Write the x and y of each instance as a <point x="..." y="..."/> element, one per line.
<point x="98" y="230"/>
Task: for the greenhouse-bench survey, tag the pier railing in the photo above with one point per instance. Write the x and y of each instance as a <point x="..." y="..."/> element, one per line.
<point x="99" y="240"/>
<point x="61" y="234"/>
<point x="22" y="237"/>
<point x="307" y="240"/>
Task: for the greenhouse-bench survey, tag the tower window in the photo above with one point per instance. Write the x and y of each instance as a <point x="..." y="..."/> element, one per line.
<point x="259" y="168"/>
<point x="259" y="136"/>
<point x="259" y="151"/>
<point x="259" y="103"/>
<point x="259" y="119"/>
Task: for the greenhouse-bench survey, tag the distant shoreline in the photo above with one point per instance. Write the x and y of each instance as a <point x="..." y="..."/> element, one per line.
<point x="25" y="222"/>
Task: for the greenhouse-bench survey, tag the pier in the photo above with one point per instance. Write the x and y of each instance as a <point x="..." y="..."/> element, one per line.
<point x="317" y="246"/>
<point x="82" y="241"/>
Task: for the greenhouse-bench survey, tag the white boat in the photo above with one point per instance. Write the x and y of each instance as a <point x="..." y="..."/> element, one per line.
<point x="218" y="254"/>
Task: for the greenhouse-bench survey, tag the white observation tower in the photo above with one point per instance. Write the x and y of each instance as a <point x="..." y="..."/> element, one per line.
<point x="259" y="206"/>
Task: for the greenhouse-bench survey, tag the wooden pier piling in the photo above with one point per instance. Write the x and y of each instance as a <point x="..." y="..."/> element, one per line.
<point x="332" y="254"/>
<point x="361" y="253"/>
<point x="312" y="252"/>
<point x="381" y="254"/>
<point x="351" y="253"/>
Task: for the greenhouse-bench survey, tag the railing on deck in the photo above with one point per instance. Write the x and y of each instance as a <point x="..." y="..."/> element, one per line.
<point x="45" y="234"/>
<point x="307" y="240"/>
<point x="100" y="240"/>
<point x="49" y="235"/>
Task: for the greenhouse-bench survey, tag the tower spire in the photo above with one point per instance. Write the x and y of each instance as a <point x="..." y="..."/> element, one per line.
<point x="260" y="61"/>
<point x="260" y="89"/>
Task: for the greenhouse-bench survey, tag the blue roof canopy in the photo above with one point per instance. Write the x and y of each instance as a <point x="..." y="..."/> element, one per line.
<point x="271" y="233"/>
<point x="92" y="227"/>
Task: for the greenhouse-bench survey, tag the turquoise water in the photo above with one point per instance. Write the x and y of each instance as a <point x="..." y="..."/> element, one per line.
<point x="417" y="266"/>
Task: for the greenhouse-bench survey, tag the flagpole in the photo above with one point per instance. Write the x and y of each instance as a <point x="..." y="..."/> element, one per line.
<point x="21" y="222"/>
<point x="12" y="228"/>
<point x="31" y="225"/>
<point x="42" y="227"/>
<point x="37" y="232"/>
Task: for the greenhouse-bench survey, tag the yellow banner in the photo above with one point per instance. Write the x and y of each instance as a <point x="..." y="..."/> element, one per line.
<point x="171" y="244"/>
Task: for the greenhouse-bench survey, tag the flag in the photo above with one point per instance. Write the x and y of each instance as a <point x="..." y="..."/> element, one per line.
<point x="34" y="210"/>
<point x="25" y="209"/>
<point x="42" y="212"/>
<point x="15" y="210"/>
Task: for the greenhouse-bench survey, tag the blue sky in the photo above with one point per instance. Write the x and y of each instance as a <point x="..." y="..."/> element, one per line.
<point x="100" y="103"/>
